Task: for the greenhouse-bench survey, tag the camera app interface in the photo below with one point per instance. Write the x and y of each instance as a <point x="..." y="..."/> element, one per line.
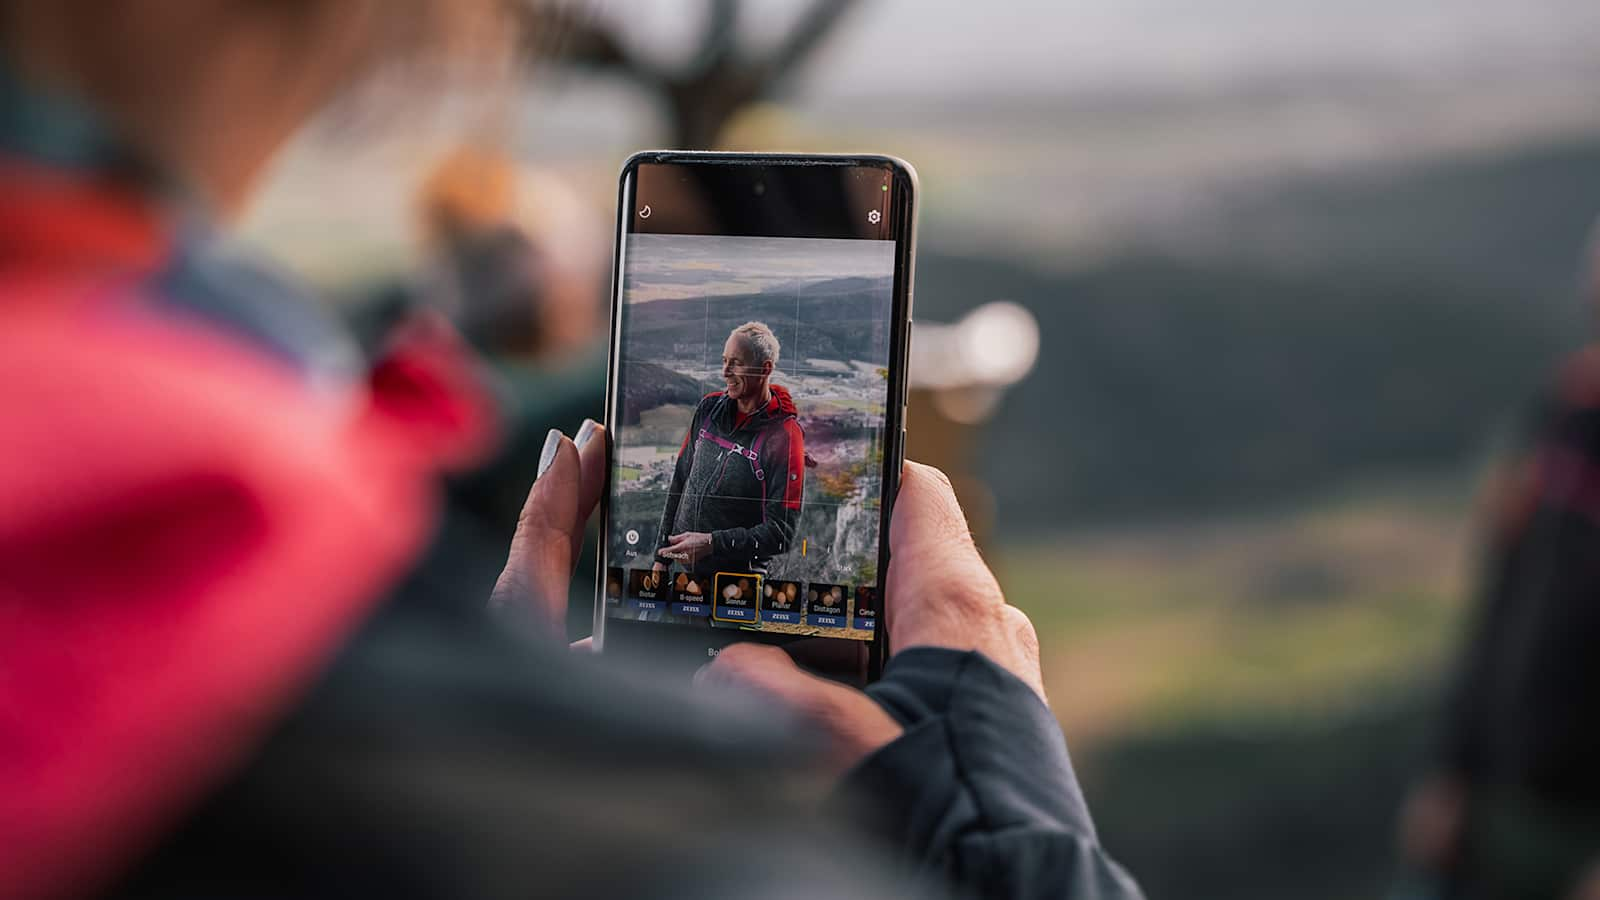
<point x="750" y="422"/>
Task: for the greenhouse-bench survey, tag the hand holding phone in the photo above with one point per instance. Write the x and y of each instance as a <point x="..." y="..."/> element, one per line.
<point x="941" y="594"/>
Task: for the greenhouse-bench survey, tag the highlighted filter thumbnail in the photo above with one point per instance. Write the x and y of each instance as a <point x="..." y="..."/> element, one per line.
<point x="691" y="595"/>
<point x="647" y="590"/>
<point x="825" y="605"/>
<point x="866" y="613"/>
<point x="781" y="602"/>
<point x="735" y="596"/>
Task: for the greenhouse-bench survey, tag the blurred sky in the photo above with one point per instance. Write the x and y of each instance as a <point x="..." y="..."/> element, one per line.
<point x="953" y="47"/>
<point x="1056" y="130"/>
<point x="1047" y="131"/>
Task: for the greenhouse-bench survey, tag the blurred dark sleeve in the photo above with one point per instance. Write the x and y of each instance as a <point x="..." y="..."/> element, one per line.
<point x="442" y="758"/>
<point x="1505" y="517"/>
<point x="980" y="789"/>
<point x="1519" y="714"/>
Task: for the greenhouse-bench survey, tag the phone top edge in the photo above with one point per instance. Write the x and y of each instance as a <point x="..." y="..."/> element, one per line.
<point x="741" y="157"/>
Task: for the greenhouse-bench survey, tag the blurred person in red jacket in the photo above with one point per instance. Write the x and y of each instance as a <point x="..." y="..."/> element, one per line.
<point x="242" y="649"/>
<point x="1511" y="805"/>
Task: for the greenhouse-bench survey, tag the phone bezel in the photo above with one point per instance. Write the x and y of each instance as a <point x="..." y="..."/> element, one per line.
<point x="684" y="647"/>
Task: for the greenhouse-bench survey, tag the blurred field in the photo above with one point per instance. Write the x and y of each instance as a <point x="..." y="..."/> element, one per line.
<point x="1245" y="697"/>
<point x="1261" y="617"/>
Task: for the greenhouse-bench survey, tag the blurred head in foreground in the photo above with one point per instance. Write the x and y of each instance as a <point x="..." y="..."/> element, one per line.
<point x="201" y="485"/>
<point x="207" y="91"/>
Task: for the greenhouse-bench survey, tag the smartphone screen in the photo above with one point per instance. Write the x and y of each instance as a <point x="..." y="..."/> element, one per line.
<point x="760" y="324"/>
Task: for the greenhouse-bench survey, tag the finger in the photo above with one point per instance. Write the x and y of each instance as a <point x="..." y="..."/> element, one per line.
<point x="932" y="554"/>
<point x="929" y="540"/>
<point x="591" y="446"/>
<point x="758" y="666"/>
<point x="853" y="722"/>
<point x="539" y="567"/>
<point x="927" y="515"/>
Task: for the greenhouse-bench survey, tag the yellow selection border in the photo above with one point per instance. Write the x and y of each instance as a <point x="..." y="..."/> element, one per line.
<point x="716" y="597"/>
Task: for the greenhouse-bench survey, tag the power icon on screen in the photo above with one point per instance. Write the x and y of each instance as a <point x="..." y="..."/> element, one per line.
<point x="644" y="211"/>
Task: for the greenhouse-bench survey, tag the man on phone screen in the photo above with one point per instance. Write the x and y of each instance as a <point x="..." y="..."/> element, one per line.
<point x="736" y="488"/>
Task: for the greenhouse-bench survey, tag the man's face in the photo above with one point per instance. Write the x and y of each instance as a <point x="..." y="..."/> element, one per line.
<point x="742" y="377"/>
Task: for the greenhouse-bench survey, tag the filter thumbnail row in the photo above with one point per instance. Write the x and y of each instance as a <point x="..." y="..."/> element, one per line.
<point x="744" y="597"/>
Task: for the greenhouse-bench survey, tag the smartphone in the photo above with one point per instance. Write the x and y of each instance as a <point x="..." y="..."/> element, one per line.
<point x="760" y="337"/>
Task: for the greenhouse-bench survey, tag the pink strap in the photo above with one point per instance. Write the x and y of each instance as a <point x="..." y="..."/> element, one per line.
<point x="753" y="454"/>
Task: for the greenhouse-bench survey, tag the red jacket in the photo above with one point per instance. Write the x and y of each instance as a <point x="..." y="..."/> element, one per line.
<point x="192" y="516"/>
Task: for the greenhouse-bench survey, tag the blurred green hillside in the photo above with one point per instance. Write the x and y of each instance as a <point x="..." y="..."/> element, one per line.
<point x="1309" y="334"/>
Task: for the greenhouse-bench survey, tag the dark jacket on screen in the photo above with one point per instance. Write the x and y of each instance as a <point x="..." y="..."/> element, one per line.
<point x="740" y="479"/>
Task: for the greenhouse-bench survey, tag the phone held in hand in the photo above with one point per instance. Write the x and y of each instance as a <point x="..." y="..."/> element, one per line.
<point x="760" y="337"/>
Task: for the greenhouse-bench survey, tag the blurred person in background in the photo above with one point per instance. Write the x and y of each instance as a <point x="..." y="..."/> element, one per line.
<point x="508" y="256"/>
<point x="243" y="650"/>
<point x="1511" y="808"/>
<point x="509" y="261"/>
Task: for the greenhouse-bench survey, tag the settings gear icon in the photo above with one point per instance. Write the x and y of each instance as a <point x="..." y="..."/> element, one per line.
<point x="874" y="217"/>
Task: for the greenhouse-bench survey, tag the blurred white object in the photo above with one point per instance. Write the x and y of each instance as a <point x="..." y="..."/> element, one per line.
<point x="969" y="364"/>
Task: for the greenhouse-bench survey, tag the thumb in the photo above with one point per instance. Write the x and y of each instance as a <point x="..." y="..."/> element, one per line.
<point x="853" y="723"/>
<point x="927" y="517"/>
<point x="539" y="566"/>
<point x="931" y="547"/>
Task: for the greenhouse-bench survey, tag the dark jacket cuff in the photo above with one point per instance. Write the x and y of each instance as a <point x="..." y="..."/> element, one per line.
<point x="980" y="751"/>
<point x="723" y="542"/>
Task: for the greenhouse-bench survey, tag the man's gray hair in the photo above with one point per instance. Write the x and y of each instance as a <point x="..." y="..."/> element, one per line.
<point x="761" y="341"/>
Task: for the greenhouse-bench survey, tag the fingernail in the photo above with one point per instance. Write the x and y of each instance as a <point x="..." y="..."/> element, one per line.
<point x="585" y="432"/>
<point x="552" y="443"/>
